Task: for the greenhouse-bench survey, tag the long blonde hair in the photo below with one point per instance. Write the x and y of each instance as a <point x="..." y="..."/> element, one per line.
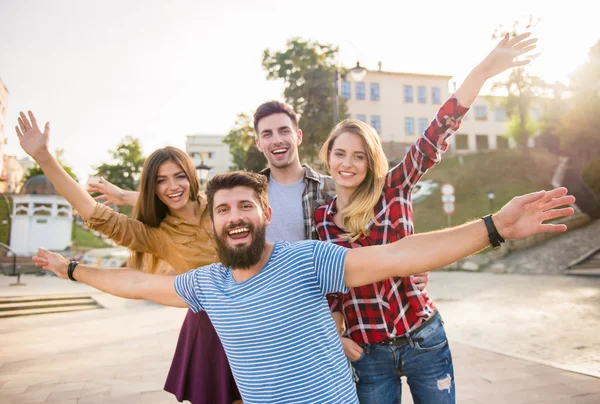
<point x="360" y="210"/>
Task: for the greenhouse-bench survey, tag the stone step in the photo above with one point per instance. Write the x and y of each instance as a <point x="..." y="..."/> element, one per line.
<point x="40" y="298"/>
<point x="47" y="304"/>
<point x="49" y="310"/>
<point x="592" y="271"/>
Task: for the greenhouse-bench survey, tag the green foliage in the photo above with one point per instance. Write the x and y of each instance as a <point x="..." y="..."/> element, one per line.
<point x="36" y="170"/>
<point x="591" y="176"/>
<point x="242" y="146"/>
<point x="507" y="173"/>
<point x="125" y="169"/>
<point x="307" y="69"/>
<point x="84" y="238"/>
<point x="515" y="129"/>
<point x="580" y="118"/>
<point x="522" y="88"/>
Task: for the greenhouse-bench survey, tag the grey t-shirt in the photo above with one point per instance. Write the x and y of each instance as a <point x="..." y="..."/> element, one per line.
<point x="287" y="223"/>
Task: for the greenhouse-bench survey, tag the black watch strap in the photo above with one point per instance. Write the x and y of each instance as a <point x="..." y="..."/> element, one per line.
<point x="495" y="237"/>
<point x="70" y="270"/>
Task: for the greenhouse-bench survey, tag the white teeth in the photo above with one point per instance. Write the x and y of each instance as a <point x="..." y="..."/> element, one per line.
<point x="175" y="195"/>
<point x="238" y="231"/>
<point x="279" y="151"/>
<point x="345" y="174"/>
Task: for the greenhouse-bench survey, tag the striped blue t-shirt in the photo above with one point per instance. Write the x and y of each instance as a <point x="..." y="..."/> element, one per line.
<point x="276" y="327"/>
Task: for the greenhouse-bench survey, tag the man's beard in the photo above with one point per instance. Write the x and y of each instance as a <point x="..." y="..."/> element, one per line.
<point x="241" y="257"/>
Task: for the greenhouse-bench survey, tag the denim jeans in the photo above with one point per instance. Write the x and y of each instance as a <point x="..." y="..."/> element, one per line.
<point x="427" y="366"/>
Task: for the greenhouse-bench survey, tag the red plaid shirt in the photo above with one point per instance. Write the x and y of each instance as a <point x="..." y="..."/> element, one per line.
<point x="394" y="306"/>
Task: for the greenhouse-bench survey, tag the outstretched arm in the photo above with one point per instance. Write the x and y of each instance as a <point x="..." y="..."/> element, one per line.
<point x="523" y="216"/>
<point x="35" y="143"/>
<point x="112" y="194"/>
<point x="121" y="282"/>
<point x="427" y="150"/>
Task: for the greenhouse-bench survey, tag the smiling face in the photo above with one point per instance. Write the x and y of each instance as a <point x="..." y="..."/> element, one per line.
<point x="278" y="139"/>
<point x="172" y="186"/>
<point x="239" y="224"/>
<point x="348" y="161"/>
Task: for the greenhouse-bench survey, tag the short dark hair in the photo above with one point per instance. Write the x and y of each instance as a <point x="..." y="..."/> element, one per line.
<point x="274" y="107"/>
<point x="258" y="182"/>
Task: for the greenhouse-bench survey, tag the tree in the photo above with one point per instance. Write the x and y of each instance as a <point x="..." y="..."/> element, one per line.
<point x="127" y="164"/>
<point x="36" y="170"/>
<point x="307" y="69"/>
<point x="242" y="146"/>
<point x="580" y="123"/>
<point x="523" y="89"/>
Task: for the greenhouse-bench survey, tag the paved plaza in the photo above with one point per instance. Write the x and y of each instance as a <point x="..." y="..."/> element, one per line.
<point x="515" y="339"/>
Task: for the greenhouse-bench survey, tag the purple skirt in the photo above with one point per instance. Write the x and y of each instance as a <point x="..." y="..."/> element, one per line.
<point x="200" y="371"/>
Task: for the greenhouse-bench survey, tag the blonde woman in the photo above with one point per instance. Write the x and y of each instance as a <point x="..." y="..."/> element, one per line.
<point x="394" y="329"/>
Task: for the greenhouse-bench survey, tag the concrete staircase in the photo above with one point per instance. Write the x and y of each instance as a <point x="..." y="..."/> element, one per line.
<point x="587" y="264"/>
<point x="14" y="306"/>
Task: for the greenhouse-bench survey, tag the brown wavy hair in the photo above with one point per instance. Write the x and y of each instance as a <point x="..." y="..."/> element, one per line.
<point x="149" y="209"/>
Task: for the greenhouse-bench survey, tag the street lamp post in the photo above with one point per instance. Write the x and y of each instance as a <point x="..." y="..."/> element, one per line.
<point x="357" y="73"/>
<point x="202" y="170"/>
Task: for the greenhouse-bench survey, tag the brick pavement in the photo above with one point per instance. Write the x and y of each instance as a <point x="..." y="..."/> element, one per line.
<point x="121" y="354"/>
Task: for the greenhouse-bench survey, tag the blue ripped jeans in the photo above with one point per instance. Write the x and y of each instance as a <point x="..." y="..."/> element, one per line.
<point x="427" y="366"/>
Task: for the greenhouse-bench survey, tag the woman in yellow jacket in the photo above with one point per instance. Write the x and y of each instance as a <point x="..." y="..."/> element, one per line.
<point x="170" y="224"/>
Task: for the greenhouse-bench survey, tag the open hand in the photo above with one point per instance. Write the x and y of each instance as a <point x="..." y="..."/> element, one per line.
<point x="50" y="261"/>
<point x="109" y="192"/>
<point x="32" y="140"/>
<point x="525" y="215"/>
<point x="502" y="57"/>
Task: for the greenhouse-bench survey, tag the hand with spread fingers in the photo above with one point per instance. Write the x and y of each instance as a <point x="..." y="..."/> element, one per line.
<point x="502" y="57"/>
<point x="50" y="261"/>
<point x="525" y="215"/>
<point x="31" y="138"/>
<point x="110" y="194"/>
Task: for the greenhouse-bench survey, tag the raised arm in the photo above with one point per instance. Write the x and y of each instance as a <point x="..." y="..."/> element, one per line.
<point x="428" y="149"/>
<point x="122" y="282"/>
<point x="35" y="143"/>
<point x="523" y="216"/>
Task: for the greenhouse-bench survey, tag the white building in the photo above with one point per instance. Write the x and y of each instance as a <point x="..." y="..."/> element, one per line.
<point x="400" y="106"/>
<point x="40" y="218"/>
<point x="210" y="150"/>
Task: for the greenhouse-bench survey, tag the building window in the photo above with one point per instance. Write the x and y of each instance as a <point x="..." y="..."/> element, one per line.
<point x="362" y="118"/>
<point x="211" y="155"/>
<point x="346" y="89"/>
<point x="500" y="114"/>
<point x="408" y="94"/>
<point x="501" y="142"/>
<point x="435" y="95"/>
<point x="482" y="142"/>
<point x="481" y="113"/>
<point x="360" y="91"/>
<point x="376" y="122"/>
<point x="462" y="142"/>
<point x="374" y="91"/>
<point x="409" y="126"/>
<point x="422" y="94"/>
<point x="422" y="125"/>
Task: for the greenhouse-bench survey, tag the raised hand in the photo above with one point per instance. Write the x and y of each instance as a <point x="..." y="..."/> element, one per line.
<point x="109" y="192"/>
<point x="50" y="261"/>
<point x="32" y="140"/>
<point x="525" y="215"/>
<point x="502" y="57"/>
